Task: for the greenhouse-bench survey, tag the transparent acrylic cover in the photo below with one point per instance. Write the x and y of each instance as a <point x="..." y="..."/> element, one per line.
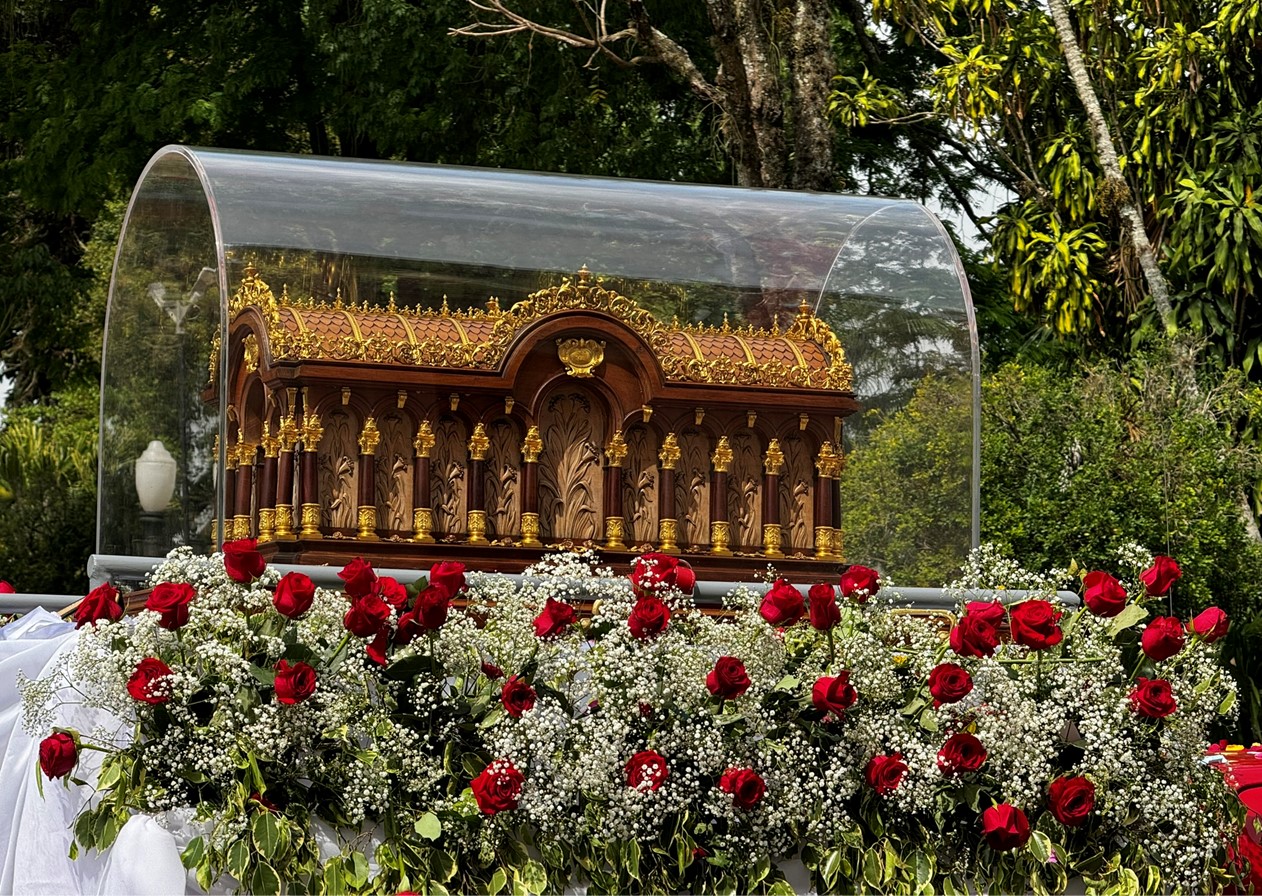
<point x="881" y="273"/>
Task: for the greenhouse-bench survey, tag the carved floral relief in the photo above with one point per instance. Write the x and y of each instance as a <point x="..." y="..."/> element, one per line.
<point x="744" y="489"/>
<point x="639" y="486"/>
<point x="449" y="476"/>
<point x="692" y="489"/>
<point x="339" y="471"/>
<point x="502" y="480"/>
<point x="572" y="426"/>
<point x="393" y="464"/>
<point x="797" y="508"/>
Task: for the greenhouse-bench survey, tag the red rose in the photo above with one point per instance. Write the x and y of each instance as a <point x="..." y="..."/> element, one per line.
<point x="652" y="572"/>
<point x="823" y="610"/>
<point x="1162" y="638"/>
<point x="989" y="611"/>
<point x="1153" y="698"/>
<point x="647" y="770"/>
<point x="171" y="600"/>
<point x="294" y="683"/>
<point x="884" y="773"/>
<point x="498" y="788"/>
<point x="1103" y="594"/>
<point x="1071" y="800"/>
<point x="432" y="607"/>
<point x="367" y="616"/>
<point x="554" y="620"/>
<point x="376" y="648"/>
<point x="58" y="754"/>
<point x="1211" y="624"/>
<point x="745" y="785"/>
<point x="727" y="680"/>
<point x="834" y="694"/>
<point x="949" y="683"/>
<point x="242" y="561"/>
<point x="358" y="578"/>
<point x="294" y="594"/>
<point x="1036" y="624"/>
<point x="447" y="575"/>
<point x="492" y="671"/>
<point x="6" y="588"/>
<point x="860" y="583"/>
<point x="1005" y="827"/>
<point x="391" y="591"/>
<point x="101" y="603"/>
<point x="649" y="618"/>
<point x="1161" y="576"/>
<point x="961" y="753"/>
<point x="783" y="604"/>
<point x="517" y="697"/>
<point x="148" y="683"/>
<point x="974" y="636"/>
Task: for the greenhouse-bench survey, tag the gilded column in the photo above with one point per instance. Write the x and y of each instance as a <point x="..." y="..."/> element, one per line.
<point x="531" y="448"/>
<point x="772" y="534"/>
<point x="615" y="525"/>
<point x="479" y="445"/>
<point x="839" y="464"/>
<point x="288" y="435"/>
<point x="720" y="528"/>
<point x="824" y="467"/>
<point x="267" y="483"/>
<point x="245" y="489"/>
<point x="369" y="438"/>
<point x="422" y="510"/>
<point x="667" y="521"/>
<point x="312" y="433"/>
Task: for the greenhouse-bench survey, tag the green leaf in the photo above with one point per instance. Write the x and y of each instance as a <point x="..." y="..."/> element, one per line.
<point x="193" y="853"/>
<point x="1133" y="614"/>
<point x="788" y="683"/>
<point x="334" y="879"/>
<point x="534" y="877"/>
<point x="1228" y="702"/>
<point x="265" y="879"/>
<point x="265" y="677"/>
<point x="238" y="859"/>
<point x="1040" y="846"/>
<point x="872" y="868"/>
<point x="633" y="859"/>
<point x="357" y="873"/>
<point x="442" y="866"/>
<point x="499" y="880"/>
<point x="266" y="833"/>
<point x="429" y="827"/>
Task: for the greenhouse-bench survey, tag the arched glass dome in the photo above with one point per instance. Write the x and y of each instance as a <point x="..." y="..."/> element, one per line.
<point x="881" y="273"/>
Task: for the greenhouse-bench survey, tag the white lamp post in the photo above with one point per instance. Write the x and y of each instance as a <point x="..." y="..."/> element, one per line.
<point x="155" y="484"/>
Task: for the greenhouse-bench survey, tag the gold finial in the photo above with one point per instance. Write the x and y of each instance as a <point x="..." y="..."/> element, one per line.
<point x="391" y="306"/>
<point x="424" y="443"/>
<point x="773" y="462"/>
<point x="616" y="450"/>
<point x="670" y="453"/>
<point x="722" y="457"/>
<point x="584" y="276"/>
<point x="284" y="294"/>
<point x="369" y="437"/>
<point x="479" y="443"/>
<point x="532" y="446"/>
<point x="492" y="305"/>
<point x="337" y="298"/>
<point x="804" y="310"/>
<point x="727" y="328"/>
<point x="674" y="322"/>
<point x="444" y="310"/>
<point x="271" y="443"/>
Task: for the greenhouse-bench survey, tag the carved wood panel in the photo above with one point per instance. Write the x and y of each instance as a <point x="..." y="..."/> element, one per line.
<point x="448" y="476"/>
<point x="692" y="489"/>
<point x="639" y="486"/>
<point x="573" y="428"/>
<point x="744" y="491"/>
<point x="339" y="471"/>
<point x="393" y="471"/>
<point x="797" y="506"/>
<point x="502" y="480"/>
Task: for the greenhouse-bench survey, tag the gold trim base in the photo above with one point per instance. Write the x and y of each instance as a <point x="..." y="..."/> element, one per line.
<point x="530" y="531"/>
<point x="615" y="528"/>
<point x="422" y="525"/>
<point x="720" y="535"/>
<point x="823" y="542"/>
<point x="668" y="536"/>
<point x="367" y="519"/>
<point x="267" y="524"/>
<point x="477" y="527"/>
<point x="772" y="539"/>
<point x="311" y="521"/>
<point x="285" y="523"/>
<point x="240" y="527"/>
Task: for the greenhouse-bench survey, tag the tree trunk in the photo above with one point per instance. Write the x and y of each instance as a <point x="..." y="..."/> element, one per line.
<point x="813" y="67"/>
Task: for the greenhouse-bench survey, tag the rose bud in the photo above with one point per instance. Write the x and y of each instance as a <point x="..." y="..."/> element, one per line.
<point x="1210" y="624"/>
<point x="294" y="683"/>
<point x="949" y="683"/>
<point x="7" y="588"/>
<point x="649" y="618"/>
<point x="148" y="683"/>
<point x="1035" y="624"/>
<point x="58" y="754"/>
<point x="101" y="603"/>
<point x="782" y="605"/>
<point x="171" y="601"/>
<point x="884" y="773"/>
<point x="833" y="695"/>
<point x="1162" y="638"/>
<point x="859" y="583"/>
<point x="517" y="696"/>
<point x="745" y="785"/>
<point x="727" y="680"/>
<point x="961" y="753"/>
<point x="498" y="787"/>
<point x="822" y="610"/>
<point x="492" y="671"/>
<point x="646" y="770"/>
<point x="554" y="620"/>
<point x="432" y="606"/>
<point x="1103" y="594"/>
<point x="1005" y="827"/>
<point x="242" y="561"/>
<point x="1153" y="698"/>
<point x="1071" y="800"/>
<point x="447" y="575"/>
<point x="294" y="595"/>
<point x="1159" y="578"/>
<point x="358" y="578"/>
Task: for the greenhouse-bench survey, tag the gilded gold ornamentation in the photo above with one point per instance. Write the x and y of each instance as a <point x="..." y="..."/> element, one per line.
<point x="773" y="461"/>
<point x="312" y="433"/>
<point x="825" y="463"/>
<point x="479" y="443"/>
<point x="251" y="353"/>
<point x="839" y="546"/>
<point x="477" y="527"/>
<point x="267" y="523"/>
<point x="580" y="356"/>
<point x="271" y="443"/>
<point x="616" y="450"/>
<point x="367" y="521"/>
<point x="615" y="532"/>
<point x="284" y="522"/>
<point x="422" y="525"/>
<point x="424" y="443"/>
<point x="240" y="527"/>
<point x="369" y="437"/>
<point x="288" y="432"/>
<point x="670" y="453"/>
<point x="823" y="542"/>
<point x="771" y="540"/>
<point x="311" y="521"/>
<point x="720" y="535"/>
<point x="668" y="536"/>
<point x="532" y="446"/>
<point x="252" y="291"/>
<point x="722" y="457"/>
<point x="530" y="530"/>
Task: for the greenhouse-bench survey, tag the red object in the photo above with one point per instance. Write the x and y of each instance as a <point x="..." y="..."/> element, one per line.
<point x="649" y="618"/>
<point x="745" y="785"/>
<point x="860" y="582"/>
<point x="556" y="617"/>
<point x="783" y="605"/>
<point x="728" y="679"/>
<point x="242" y="560"/>
<point x="517" y="697"/>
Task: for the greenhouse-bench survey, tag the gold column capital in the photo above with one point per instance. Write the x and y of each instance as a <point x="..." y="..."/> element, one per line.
<point x="773" y="461"/>
<point x="424" y="442"/>
<point x="312" y="432"/>
<point x="479" y="443"/>
<point x="825" y="463"/>
<point x="670" y="453"/>
<point x="369" y="437"/>
<point x="616" y="450"/>
<point x="287" y="432"/>
<point x="271" y="443"/>
<point x="722" y="457"/>
<point x="532" y="446"/>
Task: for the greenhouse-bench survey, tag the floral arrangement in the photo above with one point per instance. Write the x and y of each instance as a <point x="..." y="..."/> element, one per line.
<point x="469" y="733"/>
